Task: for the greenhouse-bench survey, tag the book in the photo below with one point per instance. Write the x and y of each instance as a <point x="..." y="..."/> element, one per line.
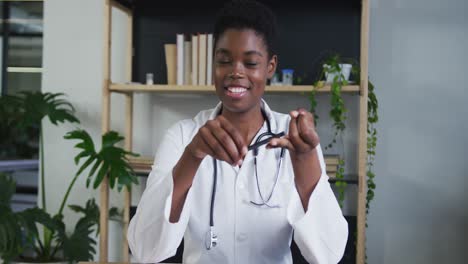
<point x="170" y="51"/>
<point x="194" y="70"/>
<point x="332" y="159"/>
<point x="209" y="60"/>
<point x="180" y="59"/>
<point x="331" y="168"/>
<point x="187" y="62"/>
<point x="202" y="59"/>
<point x="141" y="164"/>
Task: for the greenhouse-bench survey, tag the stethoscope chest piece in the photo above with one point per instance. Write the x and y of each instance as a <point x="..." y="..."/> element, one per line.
<point x="210" y="239"/>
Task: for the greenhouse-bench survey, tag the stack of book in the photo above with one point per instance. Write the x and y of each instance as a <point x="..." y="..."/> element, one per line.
<point x="190" y="60"/>
<point x="331" y="162"/>
<point x="141" y="164"/>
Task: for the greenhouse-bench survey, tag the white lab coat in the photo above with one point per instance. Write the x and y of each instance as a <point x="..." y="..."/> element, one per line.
<point x="246" y="233"/>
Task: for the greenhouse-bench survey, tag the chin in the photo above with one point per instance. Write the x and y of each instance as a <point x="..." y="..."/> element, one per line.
<point x="240" y="106"/>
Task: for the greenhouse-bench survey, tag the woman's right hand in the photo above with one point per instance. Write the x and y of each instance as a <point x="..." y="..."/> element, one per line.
<point x="219" y="139"/>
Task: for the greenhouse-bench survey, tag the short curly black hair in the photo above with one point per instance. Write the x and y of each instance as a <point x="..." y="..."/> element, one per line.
<point x="248" y="14"/>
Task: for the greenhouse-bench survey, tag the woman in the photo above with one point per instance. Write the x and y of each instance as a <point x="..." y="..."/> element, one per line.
<point x="232" y="200"/>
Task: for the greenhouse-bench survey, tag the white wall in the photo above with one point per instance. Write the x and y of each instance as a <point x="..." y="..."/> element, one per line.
<point x="417" y="51"/>
<point x="418" y="55"/>
<point x="72" y="61"/>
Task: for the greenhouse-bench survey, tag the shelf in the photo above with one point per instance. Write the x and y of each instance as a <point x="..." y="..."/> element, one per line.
<point x="349" y="179"/>
<point x="164" y="88"/>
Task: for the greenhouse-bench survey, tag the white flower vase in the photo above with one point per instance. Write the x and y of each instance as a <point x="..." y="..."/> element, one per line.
<point x="345" y="71"/>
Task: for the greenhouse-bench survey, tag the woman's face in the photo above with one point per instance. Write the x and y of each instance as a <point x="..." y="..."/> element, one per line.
<point x="241" y="69"/>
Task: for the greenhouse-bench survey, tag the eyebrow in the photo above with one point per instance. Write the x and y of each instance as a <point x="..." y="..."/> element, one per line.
<point x="250" y="52"/>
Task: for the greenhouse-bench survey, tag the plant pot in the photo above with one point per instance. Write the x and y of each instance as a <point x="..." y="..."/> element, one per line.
<point x="345" y="71"/>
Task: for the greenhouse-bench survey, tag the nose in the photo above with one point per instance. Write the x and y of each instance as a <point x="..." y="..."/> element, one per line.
<point x="237" y="71"/>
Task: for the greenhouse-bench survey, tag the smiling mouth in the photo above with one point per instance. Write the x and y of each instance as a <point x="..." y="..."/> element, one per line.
<point x="236" y="91"/>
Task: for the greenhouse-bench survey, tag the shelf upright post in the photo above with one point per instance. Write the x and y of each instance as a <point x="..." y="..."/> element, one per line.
<point x="104" y="201"/>
<point x="362" y="192"/>
<point x="128" y="131"/>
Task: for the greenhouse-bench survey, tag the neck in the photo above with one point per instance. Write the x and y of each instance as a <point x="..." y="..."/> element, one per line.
<point x="247" y="123"/>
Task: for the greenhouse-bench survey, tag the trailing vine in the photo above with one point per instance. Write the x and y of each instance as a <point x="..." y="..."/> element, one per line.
<point x="338" y="110"/>
<point x="372" y="119"/>
<point x="340" y="184"/>
<point x="337" y="113"/>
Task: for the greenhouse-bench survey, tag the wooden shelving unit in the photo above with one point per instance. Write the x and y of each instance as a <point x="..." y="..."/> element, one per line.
<point x="164" y="88"/>
<point x="129" y="89"/>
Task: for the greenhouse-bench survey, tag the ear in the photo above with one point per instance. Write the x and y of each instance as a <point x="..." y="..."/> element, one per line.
<point x="271" y="68"/>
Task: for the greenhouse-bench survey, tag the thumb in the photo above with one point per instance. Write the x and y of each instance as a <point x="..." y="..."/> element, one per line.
<point x="283" y="142"/>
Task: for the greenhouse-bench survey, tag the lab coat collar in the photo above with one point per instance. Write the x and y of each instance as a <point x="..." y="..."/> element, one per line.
<point x="264" y="106"/>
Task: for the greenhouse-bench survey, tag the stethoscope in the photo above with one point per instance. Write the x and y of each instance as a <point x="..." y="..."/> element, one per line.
<point x="211" y="239"/>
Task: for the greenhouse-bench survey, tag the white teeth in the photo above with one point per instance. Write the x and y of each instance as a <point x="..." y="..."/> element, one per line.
<point x="237" y="89"/>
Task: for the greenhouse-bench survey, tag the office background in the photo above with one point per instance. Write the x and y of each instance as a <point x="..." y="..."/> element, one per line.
<point x="417" y="62"/>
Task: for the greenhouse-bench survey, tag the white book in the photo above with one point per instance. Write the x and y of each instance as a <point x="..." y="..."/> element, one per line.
<point x="187" y="62"/>
<point x="194" y="59"/>
<point x="202" y="59"/>
<point x="209" y="60"/>
<point x="180" y="59"/>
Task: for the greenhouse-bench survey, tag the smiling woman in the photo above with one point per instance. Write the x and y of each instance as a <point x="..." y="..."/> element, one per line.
<point x="206" y="172"/>
<point x="242" y="67"/>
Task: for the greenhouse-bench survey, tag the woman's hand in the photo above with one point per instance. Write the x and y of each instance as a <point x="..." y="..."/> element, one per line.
<point x="301" y="142"/>
<point x="302" y="138"/>
<point x="219" y="139"/>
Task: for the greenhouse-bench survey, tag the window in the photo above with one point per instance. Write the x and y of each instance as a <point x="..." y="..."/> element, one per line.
<point x="21" y="45"/>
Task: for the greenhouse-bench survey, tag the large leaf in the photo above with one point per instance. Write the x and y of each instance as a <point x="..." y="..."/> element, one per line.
<point x="10" y="234"/>
<point x="111" y="160"/>
<point x="38" y="105"/>
<point x="29" y="219"/>
<point x="90" y="212"/>
<point x="79" y="246"/>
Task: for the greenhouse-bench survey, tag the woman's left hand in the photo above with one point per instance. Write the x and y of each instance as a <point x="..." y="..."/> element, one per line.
<point x="301" y="143"/>
<point x="302" y="137"/>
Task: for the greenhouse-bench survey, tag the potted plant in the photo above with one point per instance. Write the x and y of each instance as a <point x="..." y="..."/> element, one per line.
<point x="19" y="233"/>
<point x="336" y="71"/>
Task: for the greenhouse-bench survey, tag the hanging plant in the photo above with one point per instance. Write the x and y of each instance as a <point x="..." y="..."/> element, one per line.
<point x="338" y="115"/>
<point x="372" y="119"/>
<point x="332" y="71"/>
<point x="340" y="184"/>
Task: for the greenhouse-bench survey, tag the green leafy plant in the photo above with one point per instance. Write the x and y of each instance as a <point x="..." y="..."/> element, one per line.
<point x="340" y="184"/>
<point x="372" y="119"/>
<point x="338" y="109"/>
<point x="338" y="114"/>
<point x="19" y="232"/>
<point x="16" y="141"/>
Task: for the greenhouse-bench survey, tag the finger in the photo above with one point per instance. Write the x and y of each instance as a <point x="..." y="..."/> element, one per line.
<point x="306" y="128"/>
<point x="281" y="143"/>
<point x="225" y="139"/>
<point x="227" y="143"/>
<point x="294" y="136"/>
<point x="213" y="144"/>
<point x="235" y="135"/>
